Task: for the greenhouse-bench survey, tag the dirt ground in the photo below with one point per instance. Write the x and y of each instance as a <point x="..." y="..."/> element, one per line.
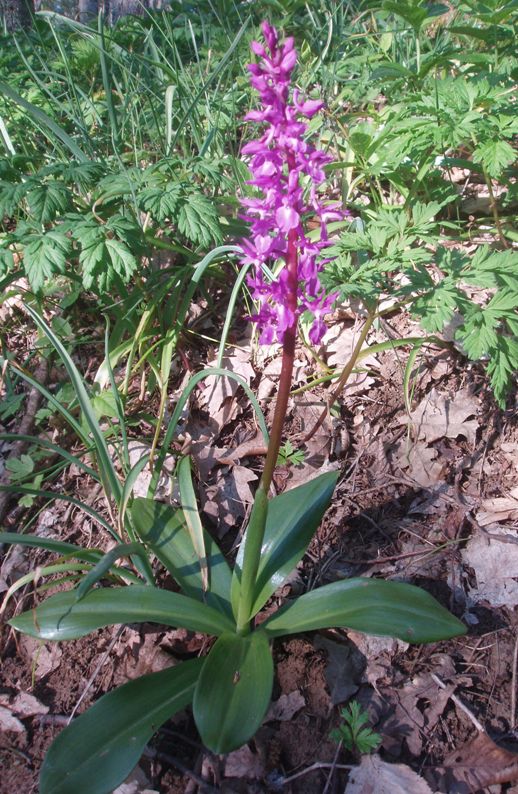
<point x="429" y="497"/>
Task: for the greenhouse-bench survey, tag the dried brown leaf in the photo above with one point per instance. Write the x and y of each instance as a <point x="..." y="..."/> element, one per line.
<point x="285" y="707"/>
<point x="421" y="461"/>
<point x="492" y="511"/>
<point x="8" y="722"/>
<point x="440" y="416"/>
<point x="344" y="668"/>
<point x="46" y="658"/>
<point x="495" y="562"/>
<point x="218" y="393"/>
<point x="378" y="651"/>
<point x="375" y="776"/>
<point x="24" y="704"/>
<point x="480" y="763"/>
<point x="243" y="763"/>
<point x="339" y="342"/>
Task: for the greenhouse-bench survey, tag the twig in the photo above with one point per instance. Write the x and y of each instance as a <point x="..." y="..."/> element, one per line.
<point x="513" y="685"/>
<point x="204" y="787"/>
<point x="406" y="555"/>
<point x="330" y="776"/>
<point x="314" y="768"/>
<point x="460" y="704"/>
<point x="53" y="719"/>
<point x="96" y="672"/>
<point x="344" y="377"/>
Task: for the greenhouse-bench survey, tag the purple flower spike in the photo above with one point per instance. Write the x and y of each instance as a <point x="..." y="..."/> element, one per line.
<point x="277" y="161"/>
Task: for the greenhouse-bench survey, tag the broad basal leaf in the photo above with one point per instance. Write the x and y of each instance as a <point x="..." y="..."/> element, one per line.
<point x="58" y="546"/>
<point x="233" y="691"/>
<point x="293" y="518"/>
<point x="372" y="606"/>
<point x="164" y="530"/>
<point x="62" y="618"/>
<point x="100" y="748"/>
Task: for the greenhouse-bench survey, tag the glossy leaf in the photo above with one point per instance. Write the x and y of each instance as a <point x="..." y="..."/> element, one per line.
<point x="105" y="564"/>
<point x="61" y="618"/>
<point x="373" y="606"/>
<point x="100" y="748"/>
<point x="293" y="518"/>
<point x="192" y="516"/>
<point x="164" y="530"/>
<point x="233" y="691"/>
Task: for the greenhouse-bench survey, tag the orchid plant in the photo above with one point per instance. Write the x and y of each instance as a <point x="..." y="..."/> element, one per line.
<point x="230" y="688"/>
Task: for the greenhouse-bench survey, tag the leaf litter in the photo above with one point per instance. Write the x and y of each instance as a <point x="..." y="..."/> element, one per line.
<point x="385" y="508"/>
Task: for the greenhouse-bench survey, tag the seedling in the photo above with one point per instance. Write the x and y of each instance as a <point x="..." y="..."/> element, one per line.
<point x="354" y="733"/>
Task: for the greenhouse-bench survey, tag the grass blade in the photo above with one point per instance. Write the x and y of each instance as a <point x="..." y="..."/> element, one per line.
<point x="109" y="476"/>
<point x="42" y="117"/>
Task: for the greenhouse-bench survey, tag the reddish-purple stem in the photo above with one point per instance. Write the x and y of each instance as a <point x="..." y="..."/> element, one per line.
<point x="288" y="357"/>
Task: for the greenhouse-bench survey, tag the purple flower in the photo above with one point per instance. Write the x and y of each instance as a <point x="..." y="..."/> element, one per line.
<point x="281" y="161"/>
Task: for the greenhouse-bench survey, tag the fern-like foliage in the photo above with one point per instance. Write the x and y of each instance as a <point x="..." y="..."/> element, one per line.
<point x="393" y="254"/>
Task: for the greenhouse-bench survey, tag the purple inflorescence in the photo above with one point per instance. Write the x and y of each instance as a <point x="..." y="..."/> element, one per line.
<point x="280" y="161"/>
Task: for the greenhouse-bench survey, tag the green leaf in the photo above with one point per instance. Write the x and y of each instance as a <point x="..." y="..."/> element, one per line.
<point x="192" y="517"/>
<point x="103" y="257"/>
<point x="198" y="221"/>
<point x="45" y="255"/>
<point x="122" y="260"/>
<point x="164" y="530"/>
<point x="372" y="606"/>
<point x="109" y="476"/>
<point x="353" y="732"/>
<point x="20" y="468"/>
<point x="437" y="306"/>
<point x="107" y="561"/>
<point x="101" y="747"/>
<point x="11" y="195"/>
<point x="233" y="691"/>
<point x="61" y="618"/>
<point x="42" y="118"/>
<point x="161" y="202"/>
<point x="502" y="367"/>
<point x="6" y="260"/>
<point x="104" y="404"/>
<point x="48" y="200"/>
<point x="293" y="517"/>
<point x="58" y="546"/>
<point x="494" y="156"/>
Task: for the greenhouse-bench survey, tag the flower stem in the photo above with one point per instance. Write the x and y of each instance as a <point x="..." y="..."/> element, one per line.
<point x="256" y="527"/>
